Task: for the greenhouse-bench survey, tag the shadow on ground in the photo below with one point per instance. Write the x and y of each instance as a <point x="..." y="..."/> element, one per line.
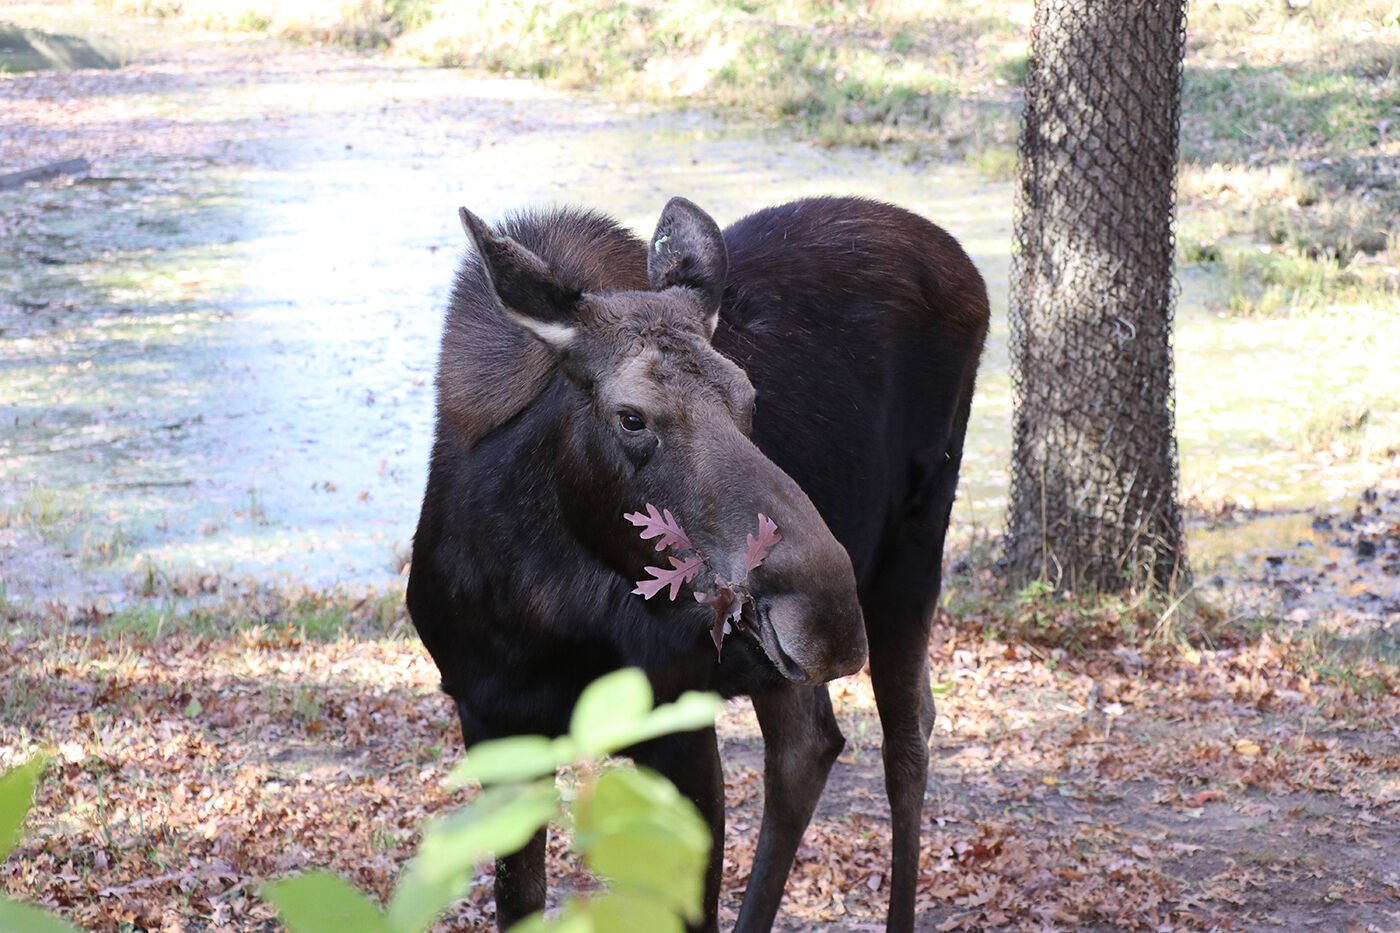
<point x="24" y="50"/>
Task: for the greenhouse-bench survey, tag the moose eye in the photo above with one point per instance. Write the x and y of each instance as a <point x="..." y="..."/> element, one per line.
<point x="631" y="421"/>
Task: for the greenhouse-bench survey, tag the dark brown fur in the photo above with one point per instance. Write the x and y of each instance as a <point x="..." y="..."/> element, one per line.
<point x="815" y="363"/>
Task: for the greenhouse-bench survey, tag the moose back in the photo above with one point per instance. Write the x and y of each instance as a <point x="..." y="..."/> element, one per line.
<point x="805" y="374"/>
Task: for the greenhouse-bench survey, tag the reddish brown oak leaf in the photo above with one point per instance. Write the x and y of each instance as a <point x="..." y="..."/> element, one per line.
<point x="661" y="525"/>
<point x="730" y="596"/>
<point x="759" y="547"/>
<point x="680" y="571"/>
<point x="727" y="605"/>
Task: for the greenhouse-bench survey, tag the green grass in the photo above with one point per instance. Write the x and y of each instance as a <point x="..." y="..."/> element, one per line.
<point x="1264" y="281"/>
<point x="146" y="621"/>
<point x="39" y="508"/>
<point x="1286" y="135"/>
<point x="1234" y="114"/>
<point x="305" y="704"/>
<point x="173" y="608"/>
<point x="1332" y="424"/>
<point x="1365" y="664"/>
<point x="843" y="73"/>
<point x="1081" y="624"/>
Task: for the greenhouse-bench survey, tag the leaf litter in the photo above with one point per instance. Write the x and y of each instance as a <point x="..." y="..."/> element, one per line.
<point x="1164" y="787"/>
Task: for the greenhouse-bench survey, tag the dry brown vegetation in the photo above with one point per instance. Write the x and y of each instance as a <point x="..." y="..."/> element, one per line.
<point x="1239" y="786"/>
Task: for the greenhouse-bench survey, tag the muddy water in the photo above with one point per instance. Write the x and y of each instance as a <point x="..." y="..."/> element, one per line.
<point x="1337" y="569"/>
<point x="224" y="370"/>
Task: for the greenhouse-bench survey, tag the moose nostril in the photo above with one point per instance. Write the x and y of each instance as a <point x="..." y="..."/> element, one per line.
<point x="766" y="632"/>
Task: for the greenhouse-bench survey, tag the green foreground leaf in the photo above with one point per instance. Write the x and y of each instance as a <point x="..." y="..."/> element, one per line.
<point x="615" y="712"/>
<point x="692" y="710"/>
<point x="518" y="758"/>
<point x="624" y="912"/>
<point x="575" y="918"/>
<point x="16" y="797"/>
<point x="646" y="839"/>
<point x="609" y="711"/>
<point x="22" y="918"/>
<point x="499" y="821"/>
<point x="633" y="827"/>
<point x="319" y="902"/>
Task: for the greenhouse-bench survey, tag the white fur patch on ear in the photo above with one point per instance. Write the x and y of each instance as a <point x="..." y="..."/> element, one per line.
<point x="559" y="336"/>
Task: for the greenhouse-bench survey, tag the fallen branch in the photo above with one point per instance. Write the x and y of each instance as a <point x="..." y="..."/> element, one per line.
<point x="45" y="172"/>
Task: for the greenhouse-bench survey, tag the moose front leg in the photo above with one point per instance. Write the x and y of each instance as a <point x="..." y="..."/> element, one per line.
<point x="800" y="743"/>
<point x="690" y="760"/>
<point x="520" y="882"/>
<point x="520" y="876"/>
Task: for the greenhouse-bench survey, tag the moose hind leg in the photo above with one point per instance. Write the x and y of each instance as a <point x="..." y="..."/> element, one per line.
<point x="898" y="615"/>
<point x="900" y="678"/>
<point x="800" y="743"/>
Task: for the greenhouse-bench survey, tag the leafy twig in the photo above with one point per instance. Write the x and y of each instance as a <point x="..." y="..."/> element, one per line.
<point x="730" y="596"/>
<point x="727" y="605"/>
<point x="759" y="547"/>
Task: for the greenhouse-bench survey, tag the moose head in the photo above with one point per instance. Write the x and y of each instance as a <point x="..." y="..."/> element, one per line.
<point x="653" y="414"/>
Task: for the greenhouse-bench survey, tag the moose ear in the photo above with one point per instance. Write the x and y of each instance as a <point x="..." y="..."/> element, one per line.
<point x="688" y="250"/>
<point x="528" y="290"/>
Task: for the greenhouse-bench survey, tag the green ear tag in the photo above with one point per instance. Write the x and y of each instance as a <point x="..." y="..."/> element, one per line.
<point x="660" y="241"/>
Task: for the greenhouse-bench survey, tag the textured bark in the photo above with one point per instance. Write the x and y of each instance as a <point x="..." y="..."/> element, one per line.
<point x="1094" y="472"/>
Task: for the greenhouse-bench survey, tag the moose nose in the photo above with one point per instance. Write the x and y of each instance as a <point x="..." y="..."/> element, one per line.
<point x="812" y="638"/>
<point x="810" y="621"/>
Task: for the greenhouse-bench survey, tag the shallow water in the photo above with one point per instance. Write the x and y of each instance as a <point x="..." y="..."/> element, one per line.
<point x="228" y="373"/>
<point x="216" y="356"/>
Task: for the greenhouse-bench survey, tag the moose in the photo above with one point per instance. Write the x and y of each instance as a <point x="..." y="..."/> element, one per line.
<point x="813" y="364"/>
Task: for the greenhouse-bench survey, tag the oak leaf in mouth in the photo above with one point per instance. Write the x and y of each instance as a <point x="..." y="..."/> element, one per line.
<point x="730" y="596"/>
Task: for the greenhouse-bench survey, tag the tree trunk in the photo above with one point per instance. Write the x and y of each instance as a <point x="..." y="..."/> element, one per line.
<point x="1094" y="469"/>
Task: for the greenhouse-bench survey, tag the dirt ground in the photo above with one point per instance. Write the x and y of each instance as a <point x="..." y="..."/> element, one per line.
<point x="1249" y="783"/>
